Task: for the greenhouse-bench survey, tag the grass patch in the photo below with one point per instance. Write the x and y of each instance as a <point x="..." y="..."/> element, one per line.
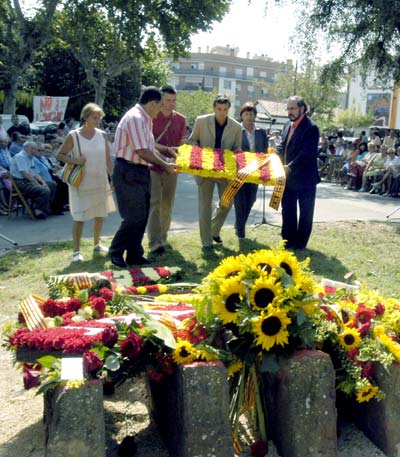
<point x="368" y="249"/>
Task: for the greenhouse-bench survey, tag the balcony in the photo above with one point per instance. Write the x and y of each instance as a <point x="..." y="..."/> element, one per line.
<point x="219" y="74"/>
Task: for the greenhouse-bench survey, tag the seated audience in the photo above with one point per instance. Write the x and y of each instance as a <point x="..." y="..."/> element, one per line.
<point x="30" y="183"/>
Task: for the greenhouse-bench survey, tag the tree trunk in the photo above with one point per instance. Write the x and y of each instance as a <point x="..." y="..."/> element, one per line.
<point x="100" y="91"/>
<point x="10" y="94"/>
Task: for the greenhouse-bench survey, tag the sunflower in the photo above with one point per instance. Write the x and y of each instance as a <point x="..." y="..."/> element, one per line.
<point x="292" y="267"/>
<point x="208" y="356"/>
<point x="265" y="291"/>
<point x="349" y="339"/>
<point x="229" y="267"/>
<point x="226" y="305"/>
<point x="271" y="328"/>
<point x="263" y="260"/>
<point x="234" y="368"/>
<point x="184" y="352"/>
<point x="366" y="393"/>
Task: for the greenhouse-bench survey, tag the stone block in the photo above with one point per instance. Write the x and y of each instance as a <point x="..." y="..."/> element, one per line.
<point x="74" y="421"/>
<point x="191" y="408"/>
<point x="380" y="420"/>
<point x="301" y="406"/>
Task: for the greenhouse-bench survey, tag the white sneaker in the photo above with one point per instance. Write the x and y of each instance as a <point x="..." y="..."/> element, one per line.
<point x="100" y="248"/>
<point x="77" y="257"/>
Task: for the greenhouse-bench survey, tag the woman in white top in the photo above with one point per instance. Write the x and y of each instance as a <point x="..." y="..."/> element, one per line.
<point x="92" y="199"/>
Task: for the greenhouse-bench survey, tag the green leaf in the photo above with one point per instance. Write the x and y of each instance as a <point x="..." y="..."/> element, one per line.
<point x="162" y="332"/>
<point x="112" y="363"/>
<point x="83" y="295"/>
<point x="47" y="361"/>
<point x="269" y="363"/>
<point x="301" y="316"/>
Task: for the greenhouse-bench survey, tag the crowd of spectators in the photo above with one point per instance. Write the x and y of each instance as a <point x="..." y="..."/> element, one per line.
<point x="363" y="164"/>
<point x="30" y="161"/>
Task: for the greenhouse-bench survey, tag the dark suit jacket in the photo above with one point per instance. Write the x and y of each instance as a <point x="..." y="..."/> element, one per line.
<point x="301" y="155"/>
<point x="261" y="141"/>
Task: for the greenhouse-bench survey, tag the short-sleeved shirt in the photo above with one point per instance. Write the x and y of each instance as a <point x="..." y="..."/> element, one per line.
<point x="134" y="132"/>
<point x="176" y="131"/>
<point x="23" y="162"/>
<point x="44" y="169"/>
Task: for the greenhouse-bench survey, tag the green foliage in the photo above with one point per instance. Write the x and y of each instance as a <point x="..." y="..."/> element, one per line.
<point x="193" y="104"/>
<point x="321" y="98"/>
<point x="366" y="30"/>
<point x="350" y="119"/>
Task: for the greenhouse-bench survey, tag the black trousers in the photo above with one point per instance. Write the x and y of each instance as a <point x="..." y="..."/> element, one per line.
<point x="132" y="189"/>
<point x="244" y="201"/>
<point x="297" y="216"/>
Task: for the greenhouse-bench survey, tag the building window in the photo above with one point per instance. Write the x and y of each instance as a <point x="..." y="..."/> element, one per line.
<point x="227" y="84"/>
<point x="250" y="72"/>
<point x="264" y="91"/>
<point x="193" y="66"/>
<point x="250" y="91"/>
<point x="237" y="103"/>
<point x="222" y="70"/>
<point x="263" y="74"/>
<point x="201" y="66"/>
<point x="238" y="72"/>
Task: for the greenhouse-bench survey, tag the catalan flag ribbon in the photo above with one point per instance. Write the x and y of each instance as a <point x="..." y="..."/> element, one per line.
<point x="239" y="167"/>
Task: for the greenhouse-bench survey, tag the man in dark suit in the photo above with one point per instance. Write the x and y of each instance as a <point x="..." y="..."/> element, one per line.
<point x="299" y="151"/>
<point x="253" y="139"/>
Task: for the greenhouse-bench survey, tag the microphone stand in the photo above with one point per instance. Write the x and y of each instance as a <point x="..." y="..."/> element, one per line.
<point x="8" y="239"/>
<point x="264" y="219"/>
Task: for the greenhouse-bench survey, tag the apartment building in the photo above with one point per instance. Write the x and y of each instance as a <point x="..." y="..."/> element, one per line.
<point x="221" y="69"/>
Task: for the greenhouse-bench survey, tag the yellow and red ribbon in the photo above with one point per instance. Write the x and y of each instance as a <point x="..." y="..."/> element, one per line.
<point x="239" y="167"/>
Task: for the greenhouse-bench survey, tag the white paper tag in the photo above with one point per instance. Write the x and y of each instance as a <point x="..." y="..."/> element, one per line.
<point x="71" y="368"/>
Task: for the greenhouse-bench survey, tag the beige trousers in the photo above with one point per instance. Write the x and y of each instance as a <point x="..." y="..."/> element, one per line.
<point x="162" y="196"/>
<point x="210" y="226"/>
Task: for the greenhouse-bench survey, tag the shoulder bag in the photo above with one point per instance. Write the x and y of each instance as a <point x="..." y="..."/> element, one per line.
<point x="72" y="173"/>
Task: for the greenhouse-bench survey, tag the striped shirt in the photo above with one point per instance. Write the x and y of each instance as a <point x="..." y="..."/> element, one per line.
<point x="134" y="132"/>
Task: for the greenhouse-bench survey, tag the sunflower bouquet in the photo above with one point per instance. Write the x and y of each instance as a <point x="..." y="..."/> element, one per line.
<point x="260" y="307"/>
<point x="360" y="331"/>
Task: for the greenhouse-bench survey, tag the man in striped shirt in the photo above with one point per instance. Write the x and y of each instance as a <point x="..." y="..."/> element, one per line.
<point x="135" y="152"/>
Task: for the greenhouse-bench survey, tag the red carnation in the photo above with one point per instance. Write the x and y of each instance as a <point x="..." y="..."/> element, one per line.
<point x="73" y="305"/>
<point x="364" y="314"/>
<point x="50" y="308"/>
<point x="353" y="354"/>
<point x="259" y="449"/>
<point x="364" y="328"/>
<point x="98" y="304"/>
<point x="91" y="362"/>
<point x="154" y="375"/>
<point x="132" y="346"/>
<point x="106" y="293"/>
<point x="368" y="371"/>
<point x="379" y="309"/>
<point x="30" y="376"/>
<point x="67" y="318"/>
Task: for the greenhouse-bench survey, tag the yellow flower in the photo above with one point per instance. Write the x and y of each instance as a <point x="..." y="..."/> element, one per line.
<point x="379" y="330"/>
<point x="74" y="384"/>
<point x="349" y="339"/>
<point x="162" y="288"/>
<point x="184" y="352"/>
<point x="203" y="354"/>
<point x="141" y="290"/>
<point x="229" y="267"/>
<point x="393" y="347"/>
<point x="263" y="259"/>
<point x="271" y="328"/>
<point x="265" y="291"/>
<point x="227" y="303"/>
<point x="234" y="368"/>
<point x="366" y="393"/>
<point x="288" y="262"/>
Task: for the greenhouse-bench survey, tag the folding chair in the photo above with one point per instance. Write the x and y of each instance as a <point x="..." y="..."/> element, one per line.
<point x="16" y="197"/>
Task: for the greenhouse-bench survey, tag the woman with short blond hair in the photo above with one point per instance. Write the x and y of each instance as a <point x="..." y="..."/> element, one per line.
<point x="92" y="199"/>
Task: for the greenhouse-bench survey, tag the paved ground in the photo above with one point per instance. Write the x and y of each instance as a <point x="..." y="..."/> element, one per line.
<point x="333" y="204"/>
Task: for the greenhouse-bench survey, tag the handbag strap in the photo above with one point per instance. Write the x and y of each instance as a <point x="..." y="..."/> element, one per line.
<point x="165" y="129"/>
<point x="79" y="144"/>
